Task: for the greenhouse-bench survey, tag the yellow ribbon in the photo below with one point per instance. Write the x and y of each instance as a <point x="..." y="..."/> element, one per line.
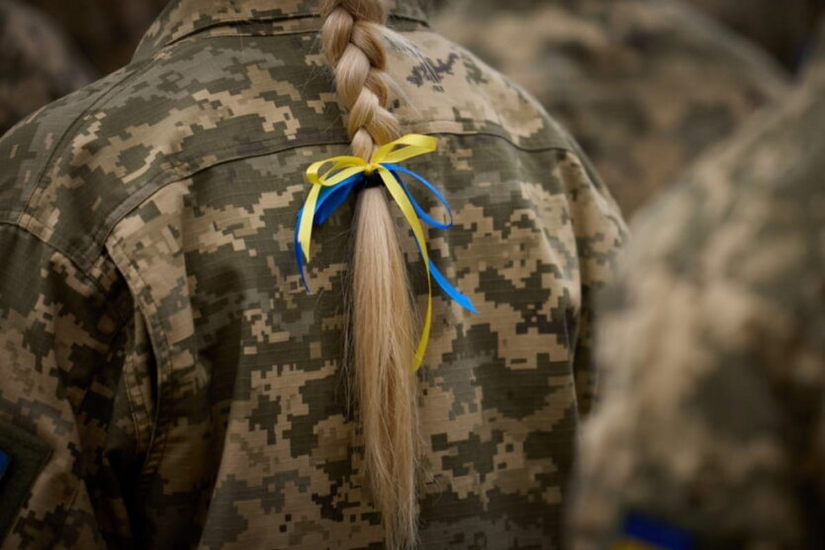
<point x="345" y="167"/>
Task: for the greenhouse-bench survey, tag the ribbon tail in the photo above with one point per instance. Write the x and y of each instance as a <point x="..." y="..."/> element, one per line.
<point x="442" y="281"/>
<point x="395" y="169"/>
<point x="397" y="191"/>
<point x="332" y="198"/>
<point x="299" y="254"/>
<point x="305" y="223"/>
<point x="424" y="339"/>
<point x="451" y="290"/>
<point x="322" y="202"/>
<point x="422" y="215"/>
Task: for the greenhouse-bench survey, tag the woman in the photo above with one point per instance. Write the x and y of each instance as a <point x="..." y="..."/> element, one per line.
<point x="160" y="346"/>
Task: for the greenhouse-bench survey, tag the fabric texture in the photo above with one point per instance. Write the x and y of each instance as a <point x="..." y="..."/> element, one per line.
<point x="645" y="86"/>
<point x="22" y="457"/>
<point x="156" y="333"/>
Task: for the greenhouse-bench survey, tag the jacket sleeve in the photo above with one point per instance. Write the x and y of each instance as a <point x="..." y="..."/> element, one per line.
<point x="74" y="399"/>
<point x="601" y="235"/>
<point x="710" y="425"/>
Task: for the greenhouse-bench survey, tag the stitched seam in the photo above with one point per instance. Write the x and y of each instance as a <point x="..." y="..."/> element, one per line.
<point x="148" y="190"/>
<point x="80" y="269"/>
<point x="160" y="343"/>
<point x="101" y="235"/>
<point x="86" y="257"/>
<point x="128" y="371"/>
<point x="133" y="412"/>
<point x="235" y="21"/>
<point x="37" y="191"/>
<point x="145" y="435"/>
<point x="109" y="346"/>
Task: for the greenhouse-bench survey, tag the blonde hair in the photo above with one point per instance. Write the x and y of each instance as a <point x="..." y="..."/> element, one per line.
<point x="382" y="328"/>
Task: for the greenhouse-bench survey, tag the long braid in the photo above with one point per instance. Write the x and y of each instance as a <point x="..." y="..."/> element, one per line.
<point x="382" y="327"/>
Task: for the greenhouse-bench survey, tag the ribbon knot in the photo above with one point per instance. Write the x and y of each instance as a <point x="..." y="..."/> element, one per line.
<point x="331" y="189"/>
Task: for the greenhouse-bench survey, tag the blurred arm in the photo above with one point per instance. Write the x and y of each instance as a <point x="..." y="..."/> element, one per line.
<point x="712" y="420"/>
<point x="601" y="235"/>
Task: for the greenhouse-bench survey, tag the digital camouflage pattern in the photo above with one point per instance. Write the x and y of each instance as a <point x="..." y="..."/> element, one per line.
<point x="712" y="418"/>
<point x="644" y="85"/>
<point x="37" y="63"/>
<point x="156" y="334"/>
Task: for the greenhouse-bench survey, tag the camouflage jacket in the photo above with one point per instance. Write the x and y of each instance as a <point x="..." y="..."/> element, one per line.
<point x="644" y="85"/>
<point x="37" y="63"/>
<point x="712" y="425"/>
<point x="168" y="383"/>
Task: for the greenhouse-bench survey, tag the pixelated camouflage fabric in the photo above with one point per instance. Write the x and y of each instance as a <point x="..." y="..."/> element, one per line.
<point x="156" y="333"/>
<point x="713" y="348"/>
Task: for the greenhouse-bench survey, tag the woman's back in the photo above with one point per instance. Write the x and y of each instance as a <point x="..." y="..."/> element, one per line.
<point x="158" y="337"/>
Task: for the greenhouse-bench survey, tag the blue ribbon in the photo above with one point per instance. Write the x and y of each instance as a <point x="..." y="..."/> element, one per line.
<point x="331" y="198"/>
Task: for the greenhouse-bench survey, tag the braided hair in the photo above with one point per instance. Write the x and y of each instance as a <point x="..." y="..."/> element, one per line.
<point x="382" y="327"/>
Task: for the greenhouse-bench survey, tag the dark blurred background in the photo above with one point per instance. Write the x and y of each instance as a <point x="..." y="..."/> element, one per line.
<point x="49" y="48"/>
<point x="782" y="27"/>
<point x="105" y="32"/>
<point x="646" y="86"/>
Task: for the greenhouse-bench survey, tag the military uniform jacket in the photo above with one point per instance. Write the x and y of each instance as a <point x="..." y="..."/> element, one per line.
<point x="166" y="380"/>
<point x="711" y="419"/>
<point x="645" y="86"/>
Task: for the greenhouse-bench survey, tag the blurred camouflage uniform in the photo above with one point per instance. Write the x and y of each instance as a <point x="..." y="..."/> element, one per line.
<point x="37" y="65"/>
<point x="643" y="85"/>
<point x="105" y="31"/>
<point x="782" y="28"/>
<point x="157" y="340"/>
<point x="713" y="418"/>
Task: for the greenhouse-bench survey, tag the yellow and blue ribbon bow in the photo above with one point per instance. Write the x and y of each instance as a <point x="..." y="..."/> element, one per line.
<point x="331" y="189"/>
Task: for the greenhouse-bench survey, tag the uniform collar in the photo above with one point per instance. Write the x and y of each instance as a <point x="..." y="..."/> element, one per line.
<point x="182" y="18"/>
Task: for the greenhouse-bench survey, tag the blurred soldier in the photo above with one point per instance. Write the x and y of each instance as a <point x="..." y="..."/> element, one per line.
<point x="106" y="31"/>
<point x="644" y="85"/>
<point x="166" y="380"/>
<point x="37" y="64"/>
<point x="711" y="433"/>
<point x="784" y="28"/>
